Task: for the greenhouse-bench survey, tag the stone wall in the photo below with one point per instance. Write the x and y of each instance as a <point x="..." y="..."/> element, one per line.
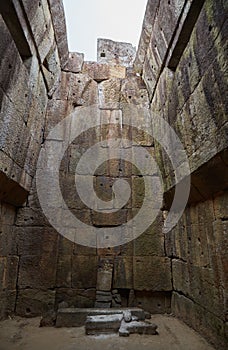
<point x="179" y="74"/>
<point x="183" y="60"/>
<point x="77" y="274"/>
<point x="30" y="65"/>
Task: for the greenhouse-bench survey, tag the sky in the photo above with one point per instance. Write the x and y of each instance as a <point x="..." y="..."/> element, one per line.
<point x="88" y="20"/>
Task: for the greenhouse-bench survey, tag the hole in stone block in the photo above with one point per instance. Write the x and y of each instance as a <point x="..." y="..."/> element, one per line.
<point x="28" y="310"/>
<point x="210" y="28"/>
<point x="129" y="97"/>
<point x="102" y="54"/>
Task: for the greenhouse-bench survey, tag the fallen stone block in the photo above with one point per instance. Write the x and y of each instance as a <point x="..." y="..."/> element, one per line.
<point x="95" y="325"/>
<point x="137" y="327"/>
<point x="76" y="317"/>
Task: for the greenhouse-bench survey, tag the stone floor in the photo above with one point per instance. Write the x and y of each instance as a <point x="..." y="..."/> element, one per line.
<point x="25" y="334"/>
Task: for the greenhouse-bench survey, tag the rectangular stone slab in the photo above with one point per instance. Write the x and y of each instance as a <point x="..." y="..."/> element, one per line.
<point x="76" y="317"/>
<point x="103" y="324"/>
<point x="137" y="327"/>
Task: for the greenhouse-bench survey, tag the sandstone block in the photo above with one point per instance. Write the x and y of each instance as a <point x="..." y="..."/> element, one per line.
<point x="8" y="272"/>
<point x="63" y="274"/>
<point x="103" y="324"/>
<point x="83" y="90"/>
<point x="153" y="302"/>
<point x="104" y="280"/>
<point x="123" y="272"/>
<point x="84" y="272"/>
<point x="37" y="240"/>
<point x="33" y="302"/>
<point x="75" y="62"/>
<point x="137" y="327"/>
<point x="115" y="53"/>
<point x="37" y="271"/>
<point x="109" y="219"/>
<point x="79" y="298"/>
<point x="100" y="72"/>
<point x="152" y="273"/>
<point x="109" y="94"/>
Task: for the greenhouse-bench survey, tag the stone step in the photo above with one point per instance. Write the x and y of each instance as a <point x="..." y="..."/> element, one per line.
<point x="76" y="317"/>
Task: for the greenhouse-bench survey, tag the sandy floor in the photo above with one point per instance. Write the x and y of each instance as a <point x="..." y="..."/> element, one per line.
<point x="25" y="334"/>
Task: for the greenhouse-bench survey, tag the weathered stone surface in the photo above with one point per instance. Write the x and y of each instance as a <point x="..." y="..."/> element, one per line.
<point x="199" y="284"/>
<point x="115" y="53"/>
<point x="75" y="62"/>
<point x="74" y="317"/>
<point x="78" y="298"/>
<point x="153" y="302"/>
<point x="137" y="327"/>
<point x="84" y="271"/>
<point x="31" y="217"/>
<point x="198" y="318"/>
<point x="8" y="272"/>
<point x="109" y="94"/>
<point x="104" y="280"/>
<point x="102" y="305"/>
<point x="33" y="302"/>
<point x="39" y="240"/>
<point x="103" y="324"/>
<point x="38" y="271"/>
<point x="48" y="319"/>
<point x="58" y="18"/>
<point x="148" y="22"/>
<point x="133" y="90"/>
<point x="64" y="269"/>
<point x="83" y="90"/>
<point x="182" y="60"/>
<point x="7" y="303"/>
<point x="100" y="71"/>
<point x="123" y="272"/>
<point x="156" y="276"/>
<point x="103" y="296"/>
<point x="151" y="242"/>
<point x="109" y="219"/>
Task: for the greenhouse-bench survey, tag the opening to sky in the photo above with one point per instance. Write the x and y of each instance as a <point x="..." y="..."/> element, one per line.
<point x="88" y="20"/>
